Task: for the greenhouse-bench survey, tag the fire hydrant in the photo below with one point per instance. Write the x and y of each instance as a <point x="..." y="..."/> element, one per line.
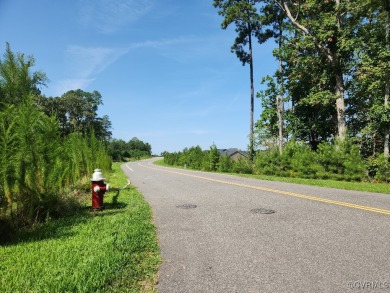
<point x="98" y="190"/>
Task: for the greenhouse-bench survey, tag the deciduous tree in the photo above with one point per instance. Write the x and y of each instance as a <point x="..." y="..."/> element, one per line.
<point x="325" y="28"/>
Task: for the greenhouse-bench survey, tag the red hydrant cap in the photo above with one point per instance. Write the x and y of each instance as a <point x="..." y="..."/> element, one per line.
<point x="97" y="175"/>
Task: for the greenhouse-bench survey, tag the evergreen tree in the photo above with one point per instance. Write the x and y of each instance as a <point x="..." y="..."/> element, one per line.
<point x="244" y="15"/>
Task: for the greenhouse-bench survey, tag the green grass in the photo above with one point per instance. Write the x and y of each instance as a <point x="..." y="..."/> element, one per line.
<point x="358" y="186"/>
<point x="114" y="250"/>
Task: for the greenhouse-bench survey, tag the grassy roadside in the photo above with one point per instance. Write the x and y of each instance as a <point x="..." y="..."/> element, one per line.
<point x="111" y="251"/>
<point x="358" y="186"/>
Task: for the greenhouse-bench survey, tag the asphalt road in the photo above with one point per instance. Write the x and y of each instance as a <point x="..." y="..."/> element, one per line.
<point x="317" y="239"/>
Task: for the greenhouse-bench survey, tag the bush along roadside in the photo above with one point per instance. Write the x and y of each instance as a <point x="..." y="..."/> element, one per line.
<point x="115" y="250"/>
<point x="339" y="160"/>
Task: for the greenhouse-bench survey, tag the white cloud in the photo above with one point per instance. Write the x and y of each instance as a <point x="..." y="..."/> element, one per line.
<point x="91" y="61"/>
<point x="83" y="66"/>
<point x="107" y="16"/>
<point x="62" y="86"/>
<point x="161" y="44"/>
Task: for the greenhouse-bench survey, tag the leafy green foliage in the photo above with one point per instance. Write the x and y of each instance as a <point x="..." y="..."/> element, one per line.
<point x="225" y="164"/>
<point x="378" y="168"/>
<point x="76" y="111"/>
<point x="340" y="161"/>
<point x="120" y="150"/>
<point x="267" y="125"/>
<point x="268" y="162"/>
<point x="214" y="158"/>
<point x="207" y="160"/>
<point x="332" y="53"/>
<point x="195" y="158"/>
<point x="171" y="158"/>
<point x="242" y="166"/>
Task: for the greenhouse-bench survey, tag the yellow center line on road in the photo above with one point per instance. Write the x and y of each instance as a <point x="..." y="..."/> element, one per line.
<point x="298" y="195"/>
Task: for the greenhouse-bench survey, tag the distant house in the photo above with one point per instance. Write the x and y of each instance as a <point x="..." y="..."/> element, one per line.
<point x="233" y="153"/>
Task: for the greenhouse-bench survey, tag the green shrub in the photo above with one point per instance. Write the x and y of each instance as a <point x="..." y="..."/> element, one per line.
<point x="243" y="166"/>
<point x="339" y="161"/>
<point x="354" y="168"/>
<point x="296" y="160"/>
<point x="192" y="158"/>
<point x="268" y="162"/>
<point x="304" y="163"/>
<point x="331" y="157"/>
<point x="213" y="158"/>
<point x="342" y="160"/>
<point x="378" y="168"/>
<point x="225" y="164"/>
<point x="171" y="158"/>
<point x="195" y="158"/>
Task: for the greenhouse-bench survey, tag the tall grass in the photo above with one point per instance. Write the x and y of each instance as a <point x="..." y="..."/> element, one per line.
<point x="37" y="165"/>
<point x="84" y="154"/>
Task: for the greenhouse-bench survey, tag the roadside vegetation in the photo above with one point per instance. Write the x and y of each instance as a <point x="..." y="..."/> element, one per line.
<point x="115" y="250"/>
<point x="338" y="165"/>
<point x="49" y="147"/>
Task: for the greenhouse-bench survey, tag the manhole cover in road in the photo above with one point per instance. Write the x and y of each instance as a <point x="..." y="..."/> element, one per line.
<point x="186" y="206"/>
<point x="262" y="211"/>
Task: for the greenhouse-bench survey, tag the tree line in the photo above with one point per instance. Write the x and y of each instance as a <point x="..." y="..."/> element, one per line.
<point x="333" y="77"/>
<point x="206" y="160"/>
<point x="119" y="150"/>
<point x="337" y="161"/>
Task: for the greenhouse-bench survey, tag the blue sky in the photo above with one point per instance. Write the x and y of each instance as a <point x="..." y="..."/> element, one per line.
<point x="163" y="67"/>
